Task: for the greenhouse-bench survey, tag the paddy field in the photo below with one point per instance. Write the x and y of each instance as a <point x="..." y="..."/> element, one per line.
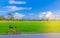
<point x="31" y="26"/>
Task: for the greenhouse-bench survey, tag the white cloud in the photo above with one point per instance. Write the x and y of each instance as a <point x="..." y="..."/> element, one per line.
<point x="42" y="15"/>
<point x="16" y="2"/>
<point x="54" y="14"/>
<point x="18" y="16"/>
<point x="31" y="16"/>
<point x="49" y="15"/>
<point x="15" y="8"/>
<point x="46" y="15"/>
<point x="30" y="8"/>
<point x="57" y="17"/>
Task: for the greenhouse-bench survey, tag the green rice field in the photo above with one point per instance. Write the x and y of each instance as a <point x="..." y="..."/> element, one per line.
<point x="30" y="26"/>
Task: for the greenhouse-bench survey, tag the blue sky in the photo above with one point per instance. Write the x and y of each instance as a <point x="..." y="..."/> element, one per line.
<point x="28" y="7"/>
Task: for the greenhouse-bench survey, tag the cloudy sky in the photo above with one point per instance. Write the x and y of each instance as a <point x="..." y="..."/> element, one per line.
<point x="30" y="9"/>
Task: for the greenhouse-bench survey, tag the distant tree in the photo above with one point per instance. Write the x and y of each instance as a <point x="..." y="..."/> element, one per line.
<point x="2" y="18"/>
<point x="10" y="16"/>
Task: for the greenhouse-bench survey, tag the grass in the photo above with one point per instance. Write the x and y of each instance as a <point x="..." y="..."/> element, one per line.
<point x="31" y="26"/>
